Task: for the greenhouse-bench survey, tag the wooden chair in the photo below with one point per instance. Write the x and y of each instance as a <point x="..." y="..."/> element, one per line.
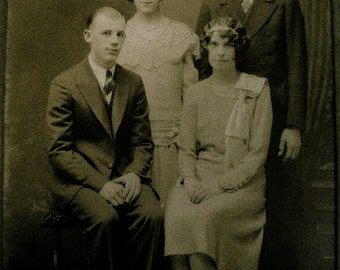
<point x="58" y="222"/>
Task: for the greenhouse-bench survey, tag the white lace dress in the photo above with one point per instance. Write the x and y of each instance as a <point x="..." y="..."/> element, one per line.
<point x="160" y="58"/>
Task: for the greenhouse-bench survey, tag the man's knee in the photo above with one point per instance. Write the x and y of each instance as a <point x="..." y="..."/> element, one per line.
<point x="152" y="215"/>
<point x="149" y="207"/>
<point x="107" y="217"/>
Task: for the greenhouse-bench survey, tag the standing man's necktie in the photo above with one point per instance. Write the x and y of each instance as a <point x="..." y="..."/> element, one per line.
<point x="109" y="86"/>
<point x="245" y="5"/>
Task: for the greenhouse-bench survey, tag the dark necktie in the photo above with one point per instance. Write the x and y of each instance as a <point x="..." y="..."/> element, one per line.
<point x="109" y="83"/>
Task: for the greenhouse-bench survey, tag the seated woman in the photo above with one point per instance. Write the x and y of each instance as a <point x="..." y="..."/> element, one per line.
<point x="215" y="214"/>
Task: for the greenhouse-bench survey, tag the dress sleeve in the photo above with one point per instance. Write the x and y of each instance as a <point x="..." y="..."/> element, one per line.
<point x="256" y="150"/>
<point x="187" y="142"/>
<point x="192" y="53"/>
<point x="190" y="73"/>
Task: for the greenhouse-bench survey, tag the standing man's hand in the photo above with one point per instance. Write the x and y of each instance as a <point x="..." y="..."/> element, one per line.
<point x="132" y="186"/>
<point x="113" y="193"/>
<point x="291" y="142"/>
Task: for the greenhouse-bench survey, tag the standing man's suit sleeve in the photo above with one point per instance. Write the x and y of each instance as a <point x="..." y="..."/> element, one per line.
<point x="296" y="65"/>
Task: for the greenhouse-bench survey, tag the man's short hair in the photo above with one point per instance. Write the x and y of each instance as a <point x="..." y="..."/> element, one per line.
<point x="109" y="11"/>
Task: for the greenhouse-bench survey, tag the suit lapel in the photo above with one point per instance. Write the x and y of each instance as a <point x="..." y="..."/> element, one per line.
<point x="120" y="98"/>
<point x="89" y="88"/>
<point x="258" y="14"/>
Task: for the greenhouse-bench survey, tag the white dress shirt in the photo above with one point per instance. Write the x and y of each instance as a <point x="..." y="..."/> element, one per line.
<point x="100" y="74"/>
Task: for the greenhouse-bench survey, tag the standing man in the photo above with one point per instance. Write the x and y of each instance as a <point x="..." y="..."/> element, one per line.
<point x="101" y="150"/>
<point x="278" y="52"/>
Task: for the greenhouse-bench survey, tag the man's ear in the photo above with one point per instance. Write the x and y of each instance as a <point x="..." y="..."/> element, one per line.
<point x="87" y="36"/>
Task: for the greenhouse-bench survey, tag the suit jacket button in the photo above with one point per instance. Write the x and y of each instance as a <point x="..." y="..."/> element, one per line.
<point x="262" y="62"/>
<point x="110" y="165"/>
<point x="267" y="34"/>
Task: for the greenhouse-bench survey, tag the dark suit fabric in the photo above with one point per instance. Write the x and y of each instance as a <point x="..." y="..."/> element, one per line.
<point x="278" y="52"/>
<point x="127" y="238"/>
<point x="89" y="146"/>
<point x="86" y="147"/>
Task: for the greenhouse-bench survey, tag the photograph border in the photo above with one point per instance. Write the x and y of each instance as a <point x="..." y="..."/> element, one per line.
<point x="336" y="64"/>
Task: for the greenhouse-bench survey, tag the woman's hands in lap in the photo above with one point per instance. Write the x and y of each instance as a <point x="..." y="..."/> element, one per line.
<point x="200" y="191"/>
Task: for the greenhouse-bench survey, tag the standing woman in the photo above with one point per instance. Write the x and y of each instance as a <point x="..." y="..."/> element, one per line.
<point x="215" y="214"/>
<point x="162" y="52"/>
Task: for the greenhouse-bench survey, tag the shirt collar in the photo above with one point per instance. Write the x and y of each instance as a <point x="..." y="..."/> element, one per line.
<point x="100" y="72"/>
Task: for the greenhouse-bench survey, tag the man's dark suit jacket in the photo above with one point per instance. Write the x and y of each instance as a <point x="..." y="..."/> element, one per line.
<point x="277" y="51"/>
<point x="86" y="147"/>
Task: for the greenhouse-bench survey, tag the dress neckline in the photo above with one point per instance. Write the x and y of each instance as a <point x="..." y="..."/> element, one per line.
<point x="223" y="91"/>
<point x="149" y="33"/>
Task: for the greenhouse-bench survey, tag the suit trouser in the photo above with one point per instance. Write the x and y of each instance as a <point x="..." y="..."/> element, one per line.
<point x="126" y="238"/>
<point x="281" y="199"/>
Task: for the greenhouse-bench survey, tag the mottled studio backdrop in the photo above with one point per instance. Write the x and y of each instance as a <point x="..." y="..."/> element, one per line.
<point x="44" y="37"/>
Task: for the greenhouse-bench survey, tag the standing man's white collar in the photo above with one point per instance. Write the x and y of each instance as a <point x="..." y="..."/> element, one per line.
<point x="246" y="4"/>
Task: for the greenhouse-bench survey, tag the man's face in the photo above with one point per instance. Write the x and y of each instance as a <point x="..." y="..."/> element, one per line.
<point x="105" y="36"/>
<point x="147" y="6"/>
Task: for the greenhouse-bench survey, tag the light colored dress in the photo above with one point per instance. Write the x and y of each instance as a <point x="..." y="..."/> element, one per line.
<point x="223" y="138"/>
<point x="159" y="57"/>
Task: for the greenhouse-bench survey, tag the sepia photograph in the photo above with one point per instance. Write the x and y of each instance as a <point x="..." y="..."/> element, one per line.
<point x="169" y="134"/>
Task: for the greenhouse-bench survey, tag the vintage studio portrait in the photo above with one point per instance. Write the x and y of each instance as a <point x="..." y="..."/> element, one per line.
<point x="169" y="134"/>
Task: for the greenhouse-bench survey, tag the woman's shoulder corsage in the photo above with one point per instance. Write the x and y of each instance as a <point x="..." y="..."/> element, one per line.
<point x="251" y="84"/>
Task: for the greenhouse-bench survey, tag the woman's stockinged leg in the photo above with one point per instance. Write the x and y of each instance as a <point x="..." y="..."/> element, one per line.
<point x="180" y="262"/>
<point x="200" y="261"/>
